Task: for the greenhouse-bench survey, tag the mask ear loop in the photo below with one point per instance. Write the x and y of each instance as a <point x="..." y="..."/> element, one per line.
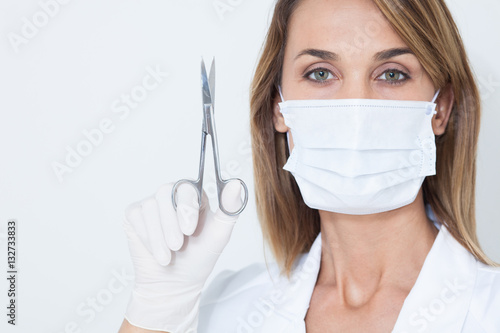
<point x="281" y="95"/>
<point x="288" y="142"/>
<point x="429" y="108"/>
<point x="435" y="96"/>
<point x="287" y="136"/>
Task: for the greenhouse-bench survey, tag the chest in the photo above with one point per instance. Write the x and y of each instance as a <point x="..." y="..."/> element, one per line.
<point x="377" y="316"/>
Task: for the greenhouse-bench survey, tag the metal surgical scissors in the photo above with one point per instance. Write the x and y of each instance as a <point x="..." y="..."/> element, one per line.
<point x="208" y="128"/>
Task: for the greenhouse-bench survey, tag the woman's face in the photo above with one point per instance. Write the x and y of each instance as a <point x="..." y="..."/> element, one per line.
<point x="347" y="49"/>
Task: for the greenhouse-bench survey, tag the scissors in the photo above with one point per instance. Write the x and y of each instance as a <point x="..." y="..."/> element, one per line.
<point x="208" y="128"/>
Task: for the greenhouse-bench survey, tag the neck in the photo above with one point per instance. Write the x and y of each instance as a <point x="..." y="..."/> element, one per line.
<point x="363" y="253"/>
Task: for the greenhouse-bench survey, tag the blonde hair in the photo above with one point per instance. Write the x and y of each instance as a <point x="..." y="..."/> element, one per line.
<point x="428" y="29"/>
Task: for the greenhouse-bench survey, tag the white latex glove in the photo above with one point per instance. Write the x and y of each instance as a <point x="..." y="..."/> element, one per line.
<point x="173" y="253"/>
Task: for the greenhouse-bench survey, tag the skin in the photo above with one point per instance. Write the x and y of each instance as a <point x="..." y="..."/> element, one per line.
<point x="129" y="328"/>
<point x="369" y="262"/>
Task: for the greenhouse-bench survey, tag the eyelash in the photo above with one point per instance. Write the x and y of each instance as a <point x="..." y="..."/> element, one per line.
<point x="306" y="76"/>
<point x="406" y="75"/>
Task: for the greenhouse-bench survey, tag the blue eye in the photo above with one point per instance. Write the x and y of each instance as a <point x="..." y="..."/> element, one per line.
<point x="319" y="75"/>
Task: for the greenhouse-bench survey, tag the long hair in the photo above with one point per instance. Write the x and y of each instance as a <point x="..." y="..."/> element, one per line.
<point x="428" y="29"/>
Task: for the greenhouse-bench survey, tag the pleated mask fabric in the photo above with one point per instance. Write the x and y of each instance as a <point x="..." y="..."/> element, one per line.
<point x="360" y="156"/>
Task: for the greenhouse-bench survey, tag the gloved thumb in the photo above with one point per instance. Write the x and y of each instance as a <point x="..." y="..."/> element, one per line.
<point x="218" y="227"/>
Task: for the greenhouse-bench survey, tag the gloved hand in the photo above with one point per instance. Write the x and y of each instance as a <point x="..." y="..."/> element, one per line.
<point x="173" y="253"/>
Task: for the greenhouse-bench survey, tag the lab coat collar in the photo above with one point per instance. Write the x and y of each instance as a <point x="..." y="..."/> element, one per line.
<point x="438" y="302"/>
<point x="440" y="299"/>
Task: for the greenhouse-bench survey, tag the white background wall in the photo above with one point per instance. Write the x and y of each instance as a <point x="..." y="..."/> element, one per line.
<point x="70" y="75"/>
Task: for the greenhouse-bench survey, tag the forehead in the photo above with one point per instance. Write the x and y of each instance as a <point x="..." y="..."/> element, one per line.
<point x="346" y="27"/>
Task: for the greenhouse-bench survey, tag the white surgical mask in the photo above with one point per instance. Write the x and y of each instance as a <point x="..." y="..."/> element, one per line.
<point x="360" y="156"/>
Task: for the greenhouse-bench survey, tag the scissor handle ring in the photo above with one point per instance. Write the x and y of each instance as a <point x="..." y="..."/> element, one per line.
<point x="220" y="188"/>
<point x="195" y="183"/>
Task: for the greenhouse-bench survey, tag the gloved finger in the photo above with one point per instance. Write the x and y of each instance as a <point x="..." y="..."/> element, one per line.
<point x="151" y="216"/>
<point x="218" y="227"/>
<point x="205" y="206"/>
<point x="168" y="216"/>
<point x="133" y="218"/>
<point x="136" y="246"/>
<point x="187" y="208"/>
<point x="231" y="201"/>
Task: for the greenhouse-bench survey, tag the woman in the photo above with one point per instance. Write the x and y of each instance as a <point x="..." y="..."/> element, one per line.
<point x="371" y="217"/>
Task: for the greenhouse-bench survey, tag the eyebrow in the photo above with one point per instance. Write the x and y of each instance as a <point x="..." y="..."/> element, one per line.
<point x="325" y="55"/>
<point x="379" y="56"/>
<point x="391" y="53"/>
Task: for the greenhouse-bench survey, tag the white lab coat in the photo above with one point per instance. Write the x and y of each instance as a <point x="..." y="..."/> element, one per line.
<point x="453" y="293"/>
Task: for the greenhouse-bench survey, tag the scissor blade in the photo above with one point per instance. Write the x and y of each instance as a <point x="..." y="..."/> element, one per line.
<point x="211" y="81"/>
<point x="205" y="88"/>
